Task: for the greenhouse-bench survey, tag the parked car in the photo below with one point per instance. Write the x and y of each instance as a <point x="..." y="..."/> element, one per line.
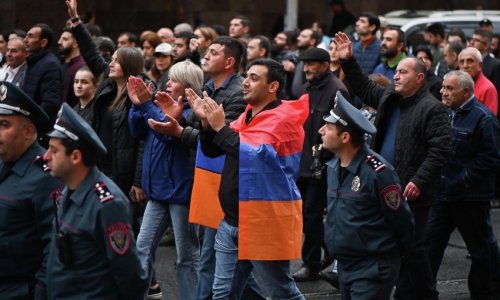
<point x="414" y="23"/>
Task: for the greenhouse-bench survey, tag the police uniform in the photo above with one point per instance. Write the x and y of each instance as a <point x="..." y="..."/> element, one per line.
<point x="369" y="225"/>
<point x="26" y="209"/>
<point x="93" y="254"/>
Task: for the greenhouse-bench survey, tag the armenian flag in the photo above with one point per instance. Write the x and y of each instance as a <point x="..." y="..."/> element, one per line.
<point x="270" y="205"/>
<point x="204" y="208"/>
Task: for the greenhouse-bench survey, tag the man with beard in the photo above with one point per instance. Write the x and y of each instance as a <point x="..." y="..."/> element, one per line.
<point x="392" y="51"/>
<point x="73" y="61"/>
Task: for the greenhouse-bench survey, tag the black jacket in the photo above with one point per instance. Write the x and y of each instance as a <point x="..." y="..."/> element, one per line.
<point x="231" y="98"/>
<point x="123" y="163"/>
<point x="322" y="93"/>
<point x="423" y="137"/>
<point x="43" y="82"/>
<point x="491" y="69"/>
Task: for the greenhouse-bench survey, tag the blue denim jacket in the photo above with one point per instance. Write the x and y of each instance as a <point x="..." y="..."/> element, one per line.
<point x="167" y="173"/>
<point x="475" y="159"/>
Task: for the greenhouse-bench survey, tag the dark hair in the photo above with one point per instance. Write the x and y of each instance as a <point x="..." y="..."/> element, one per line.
<point x="458" y="32"/>
<point x="456" y="47"/>
<point x="95" y="80"/>
<point x="67" y="29"/>
<point x="357" y="135"/>
<point x="401" y="34"/>
<point x="131" y="37"/>
<point x="264" y="43"/>
<point x="372" y="20"/>
<point x="425" y="49"/>
<point x="46" y="33"/>
<point x="186" y="36"/>
<point x="245" y="21"/>
<point x="95" y="30"/>
<point x="487" y="35"/>
<point x="316" y="35"/>
<point x="275" y="70"/>
<point x="89" y="157"/>
<point x="220" y="29"/>
<point x="436" y="29"/>
<point x="232" y="48"/>
<point x="19" y="32"/>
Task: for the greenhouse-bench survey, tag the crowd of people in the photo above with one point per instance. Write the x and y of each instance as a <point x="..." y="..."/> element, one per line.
<point x="357" y="153"/>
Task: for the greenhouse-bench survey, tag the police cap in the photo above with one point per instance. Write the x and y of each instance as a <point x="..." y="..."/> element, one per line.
<point x="13" y="101"/>
<point x="346" y="114"/>
<point x="69" y="125"/>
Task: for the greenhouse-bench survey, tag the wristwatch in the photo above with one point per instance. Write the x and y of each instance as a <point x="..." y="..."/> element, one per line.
<point x="75" y="19"/>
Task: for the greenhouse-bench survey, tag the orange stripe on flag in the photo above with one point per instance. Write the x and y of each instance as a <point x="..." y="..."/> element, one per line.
<point x="270" y="230"/>
<point x="204" y="208"/>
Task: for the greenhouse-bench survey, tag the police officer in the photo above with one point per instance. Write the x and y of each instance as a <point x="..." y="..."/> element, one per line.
<point x="25" y="205"/>
<point x="369" y="225"/>
<point x="93" y="253"/>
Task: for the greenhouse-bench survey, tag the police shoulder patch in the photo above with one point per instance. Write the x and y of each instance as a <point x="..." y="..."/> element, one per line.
<point x="118" y="235"/>
<point x="375" y="163"/>
<point x="392" y="196"/>
<point x="103" y="193"/>
<point x="41" y="163"/>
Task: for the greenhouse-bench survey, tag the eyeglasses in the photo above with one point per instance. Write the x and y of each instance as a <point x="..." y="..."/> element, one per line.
<point x="472" y="40"/>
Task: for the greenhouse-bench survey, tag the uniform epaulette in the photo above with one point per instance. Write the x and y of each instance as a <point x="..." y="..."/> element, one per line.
<point x="42" y="163"/>
<point x="375" y="163"/>
<point x="103" y="192"/>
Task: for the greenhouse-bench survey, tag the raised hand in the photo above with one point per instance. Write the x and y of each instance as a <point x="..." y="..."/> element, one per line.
<point x="72" y="6"/>
<point x="196" y="103"/>
<point x="169" y="106"/>
<point x="171" y="127"/>
<point x="344" y="45"/>
<point x="138" y="92"/>
<point x="215" y="114"/>
<point x="194" y="45"/>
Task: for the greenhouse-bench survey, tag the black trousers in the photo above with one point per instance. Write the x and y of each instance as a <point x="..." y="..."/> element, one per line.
<point x="415" y="278"/>
<point x="470" y="218"/>
<point x="313" y="192"/>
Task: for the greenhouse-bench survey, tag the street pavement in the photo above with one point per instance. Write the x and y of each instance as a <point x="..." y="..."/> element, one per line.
<point x="452" y="277"/>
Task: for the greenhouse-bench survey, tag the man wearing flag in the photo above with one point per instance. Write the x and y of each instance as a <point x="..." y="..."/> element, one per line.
<point x="262" y="225"/>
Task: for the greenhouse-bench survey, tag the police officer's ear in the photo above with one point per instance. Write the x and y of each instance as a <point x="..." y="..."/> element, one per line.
<point x="76" y="157"/>
<point x="29" y="129"/>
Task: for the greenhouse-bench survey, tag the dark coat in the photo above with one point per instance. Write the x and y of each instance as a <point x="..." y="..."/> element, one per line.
<point x="123" y="163"/>
<point x="322" y="93"/>
<point x="423" y="136"/>
<point x="43" y="81"/>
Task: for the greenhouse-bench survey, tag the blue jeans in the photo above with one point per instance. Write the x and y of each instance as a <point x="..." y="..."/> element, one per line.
<point x="154" y="225"/>
<point x="207" y="265"/>
<point x="231" y="274"/>
<point x="207" y="270"/>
